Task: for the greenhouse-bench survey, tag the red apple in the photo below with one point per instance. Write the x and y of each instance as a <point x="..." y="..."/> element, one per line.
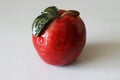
<point x="62" y="39"/>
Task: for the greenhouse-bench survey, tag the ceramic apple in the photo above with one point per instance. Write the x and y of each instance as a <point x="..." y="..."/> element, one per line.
<point x="59" y="36"/>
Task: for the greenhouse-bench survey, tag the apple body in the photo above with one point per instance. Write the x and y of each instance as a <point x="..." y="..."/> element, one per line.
<point x="62" y="41"/>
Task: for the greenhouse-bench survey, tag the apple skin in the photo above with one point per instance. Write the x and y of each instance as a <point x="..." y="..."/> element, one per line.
<point x="62" y="41"/>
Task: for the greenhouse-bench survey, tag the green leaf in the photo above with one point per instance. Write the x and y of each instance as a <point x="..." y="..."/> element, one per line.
<point x="53" y="11"/>
<point x="40" y="22"/>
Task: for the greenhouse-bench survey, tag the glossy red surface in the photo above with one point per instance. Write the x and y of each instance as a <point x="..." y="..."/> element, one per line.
<point x="63" y="40"/>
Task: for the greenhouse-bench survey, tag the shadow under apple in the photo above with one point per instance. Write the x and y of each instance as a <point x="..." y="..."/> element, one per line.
<point x="97" y="52"/>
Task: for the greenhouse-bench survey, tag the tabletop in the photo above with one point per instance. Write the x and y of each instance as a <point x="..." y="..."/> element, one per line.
<point x="99" y="60"/>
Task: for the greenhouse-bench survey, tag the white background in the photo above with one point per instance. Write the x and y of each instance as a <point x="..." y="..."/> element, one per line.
<point x="100" y="59"/>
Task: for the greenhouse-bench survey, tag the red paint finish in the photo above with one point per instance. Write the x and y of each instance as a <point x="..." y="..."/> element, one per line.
<point x="63" y="40"/>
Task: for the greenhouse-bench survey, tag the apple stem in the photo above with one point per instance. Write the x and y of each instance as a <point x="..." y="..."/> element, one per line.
<point x="71" y="12"/>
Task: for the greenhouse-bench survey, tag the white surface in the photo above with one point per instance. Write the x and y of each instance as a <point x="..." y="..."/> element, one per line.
<point x="100" y="59"/>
